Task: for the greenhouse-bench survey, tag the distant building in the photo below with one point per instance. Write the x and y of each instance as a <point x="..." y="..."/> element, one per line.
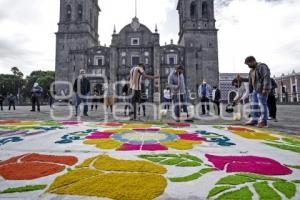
<point x="288" y="88"/>
<point x="78" y="46"/>
<point x="228" y="92"/>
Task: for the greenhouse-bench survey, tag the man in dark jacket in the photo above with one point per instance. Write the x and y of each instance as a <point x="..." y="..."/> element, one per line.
<point x="259" y="86"/>
<point x="216" y="96"/>
<point x="81" y="89"/>
<point x="12" y="101"/>
<point x="36" y="93"/>
<point x="1" y="101"/>
<point x="272" y="100"/>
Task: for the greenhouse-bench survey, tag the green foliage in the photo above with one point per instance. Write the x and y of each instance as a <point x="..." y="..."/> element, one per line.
<point x="192" y="176"/>
<point x="241" y="194"/>
<point x="286" y="188"/>
<point x="289" y="144"/>
<point x="182" y="160"/>
<point x="218" y="190"/>
<point x="179" y="160"/>
<point x="265" y="187"/>
<point x="43" y="78"/>
<point x="27" y="188"/>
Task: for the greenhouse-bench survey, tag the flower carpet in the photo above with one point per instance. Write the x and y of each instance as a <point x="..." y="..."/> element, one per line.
<point x="115" y="160"/>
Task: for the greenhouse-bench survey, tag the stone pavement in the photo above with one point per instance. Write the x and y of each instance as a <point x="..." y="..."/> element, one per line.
<point x="288" y="117"/>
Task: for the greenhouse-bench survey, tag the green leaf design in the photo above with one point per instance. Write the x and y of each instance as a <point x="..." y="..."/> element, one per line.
<point x="218" y="190"/>
<point x="192" y="176"/>
<point x="27" y="188"/>
<point x="294" y="166"/>
<point x="181" y="160"/>
<point x="265" y="191"/>
<point x="289" y="144"/>
<point x="286" y="188"/>
<point x="241" y="194"/>
<point x="236" y="187"/>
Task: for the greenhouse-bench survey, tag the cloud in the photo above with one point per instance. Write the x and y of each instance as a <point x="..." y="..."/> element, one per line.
<point x="267" y="29"/>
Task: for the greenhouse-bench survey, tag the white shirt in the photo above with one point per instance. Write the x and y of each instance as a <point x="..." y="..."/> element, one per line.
<point x="167" y="94"/>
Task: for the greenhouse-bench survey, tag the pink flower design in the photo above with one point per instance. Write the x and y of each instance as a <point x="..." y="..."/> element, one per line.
<point x="99" y="135"/>
<point x="192" y="137"/>
<point x="70" y="123"/>
<point x="251" y="164"/>
<point x="145" y="147"/>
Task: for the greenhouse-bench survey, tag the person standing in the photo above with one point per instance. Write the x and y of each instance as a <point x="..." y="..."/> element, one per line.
<point x="136" y="74"/>
<point x="95" y="100"/>
<point x="167" y="98"/>
<point x="259" y="86"/>
<point x="51" y="96"/>
<point x="11" y="101"/>
<point x="125" y="92"/>
<point x="216" y="96"/>
<point x="272" y="101"/>
<point x="177" y="84"/>
<point x="204" y="93"/>
<point x="36" y="93"/>
<point x="144" y="98"/>
<point x="1" y="101"/>
<point x="242" y="86"/>
<point x="81" y="89"/>
<point x="109" y="92"/>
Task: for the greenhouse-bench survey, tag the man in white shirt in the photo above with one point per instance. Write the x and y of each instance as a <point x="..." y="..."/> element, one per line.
<point x="136" y="75"/>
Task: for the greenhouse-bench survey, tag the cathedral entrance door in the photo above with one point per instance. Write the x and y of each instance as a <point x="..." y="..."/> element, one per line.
<point x="135" y="60"/>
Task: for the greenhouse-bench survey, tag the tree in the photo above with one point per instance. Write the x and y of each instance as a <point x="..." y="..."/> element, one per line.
<point x="43" y="78"/>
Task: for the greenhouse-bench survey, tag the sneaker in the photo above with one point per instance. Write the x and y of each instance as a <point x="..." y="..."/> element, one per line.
<point x="251" y="123"/>
<point x="32" y="110"/>
<point x="275" y="120"/>
<point x="262" y="125"/>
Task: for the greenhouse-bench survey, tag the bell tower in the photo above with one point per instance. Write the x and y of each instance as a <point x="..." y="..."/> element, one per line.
<point x="77" y="31"/>
<point x="198" y="34"/>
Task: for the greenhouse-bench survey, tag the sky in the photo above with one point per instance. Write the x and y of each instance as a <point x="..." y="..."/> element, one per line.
<point x="267" y="29"/>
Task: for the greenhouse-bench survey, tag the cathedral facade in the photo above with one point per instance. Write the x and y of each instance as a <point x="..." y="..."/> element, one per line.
<point x="77" y="46"/>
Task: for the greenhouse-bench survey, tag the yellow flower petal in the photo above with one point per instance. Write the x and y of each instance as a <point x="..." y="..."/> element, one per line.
<point x="173" y="131"/>
<point x="255" y="135"/>
<point x="107" y="163"/>
<point x="104" y="143"/>
<point x="137" y="126"/>
<point x="181" y="144"/>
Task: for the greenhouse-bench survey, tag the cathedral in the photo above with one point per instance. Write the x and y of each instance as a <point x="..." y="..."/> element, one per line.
<point x="77" y="46"/>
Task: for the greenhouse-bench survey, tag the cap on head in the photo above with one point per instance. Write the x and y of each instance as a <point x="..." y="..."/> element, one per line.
<point x="35" y="84"/>
<point x="82" y="71"/>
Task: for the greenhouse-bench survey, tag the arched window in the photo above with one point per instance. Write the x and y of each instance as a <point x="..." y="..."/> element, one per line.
<point x="80" y="12"/>
<point x="69" y="12"/>
<point x="193" y="10"/>
<point x="205" y="10"/>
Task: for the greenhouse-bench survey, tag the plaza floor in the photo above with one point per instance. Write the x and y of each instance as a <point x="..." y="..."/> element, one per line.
<point x="42" y="158"/>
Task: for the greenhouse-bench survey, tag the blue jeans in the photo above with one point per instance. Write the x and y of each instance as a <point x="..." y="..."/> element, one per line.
<point x="179" y="104"/>
<point x="259" y="107"/>
<point x="78" y="102"/>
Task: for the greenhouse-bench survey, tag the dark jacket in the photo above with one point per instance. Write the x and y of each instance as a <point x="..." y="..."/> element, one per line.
<point x="37" y="91"/>
<point x="217" y="95"/>
<point x="273" y="87"/>
<point x="1" y="98"/>
<point x="84" y="85"/>
<point x="262" y="78"/>
<point x="11" y="99"/>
